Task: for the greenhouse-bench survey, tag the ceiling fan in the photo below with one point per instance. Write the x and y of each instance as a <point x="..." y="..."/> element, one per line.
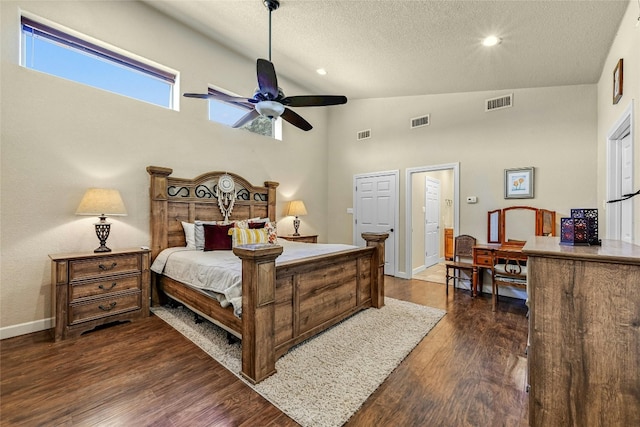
<point x="269" y="100"/>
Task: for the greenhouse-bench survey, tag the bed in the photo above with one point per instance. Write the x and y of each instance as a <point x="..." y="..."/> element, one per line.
<point x="282" y="305"/>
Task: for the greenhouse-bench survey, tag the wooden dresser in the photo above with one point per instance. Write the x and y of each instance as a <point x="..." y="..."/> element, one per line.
<point x="91" y="289"/>
<point x="584" y="325"/>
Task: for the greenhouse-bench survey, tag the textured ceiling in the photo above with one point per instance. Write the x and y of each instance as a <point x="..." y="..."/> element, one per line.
<point x="381" y="48"/>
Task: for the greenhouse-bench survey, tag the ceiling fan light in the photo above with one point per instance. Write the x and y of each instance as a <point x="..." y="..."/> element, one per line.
<point x="271" y="109"/>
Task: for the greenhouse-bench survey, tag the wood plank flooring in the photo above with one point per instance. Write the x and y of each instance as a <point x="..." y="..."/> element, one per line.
<point x="469" y="371"/>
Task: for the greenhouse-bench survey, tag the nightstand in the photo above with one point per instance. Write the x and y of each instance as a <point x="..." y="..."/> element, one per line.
<point x="92" y="289"/>
<point x="306" y="238"/>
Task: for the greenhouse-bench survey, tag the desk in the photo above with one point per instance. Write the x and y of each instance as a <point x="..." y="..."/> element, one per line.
<point x="483" y="256"/>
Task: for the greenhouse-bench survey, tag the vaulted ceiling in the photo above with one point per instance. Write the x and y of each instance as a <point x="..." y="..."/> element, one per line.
<point x="384" y="48"/>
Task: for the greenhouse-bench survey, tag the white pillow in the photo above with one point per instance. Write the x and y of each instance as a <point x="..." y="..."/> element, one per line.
<point x="199" y="233"/>
<point x="189" y="234"/>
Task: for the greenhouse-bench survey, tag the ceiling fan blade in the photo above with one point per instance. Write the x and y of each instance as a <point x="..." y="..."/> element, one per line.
<point x="313" y="100"/>
<point x="296" y="120"/>
<point x="253" y="114"/>
<point x="267" y="80"/>
<point x="221" y="97"/>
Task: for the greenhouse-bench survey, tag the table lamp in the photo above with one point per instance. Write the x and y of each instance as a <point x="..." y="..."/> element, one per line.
<point x="296" y="208"/>
<point x="102" y="202"/>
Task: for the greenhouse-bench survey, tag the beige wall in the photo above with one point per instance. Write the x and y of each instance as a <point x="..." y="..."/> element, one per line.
<point x="59" y="137"/>
<point x="552" y="129"/>
<point x="627" y="46"/>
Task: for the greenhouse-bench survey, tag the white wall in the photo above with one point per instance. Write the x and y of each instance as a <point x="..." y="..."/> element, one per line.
<point x="626" y="46"/>
<point x="59" y="138"/>
<point x="552" y="129"/>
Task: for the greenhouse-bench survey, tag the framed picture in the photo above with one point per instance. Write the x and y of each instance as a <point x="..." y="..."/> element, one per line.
<point x="518" y="183"/>
<point x="617" y="82"/>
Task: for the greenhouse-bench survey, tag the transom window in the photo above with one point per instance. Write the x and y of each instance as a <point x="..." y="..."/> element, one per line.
<point x="61" y="54"/>
<point x="229" y="113"/>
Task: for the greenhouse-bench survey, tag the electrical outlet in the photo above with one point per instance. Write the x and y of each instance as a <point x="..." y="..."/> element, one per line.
<point x="472" y="199"/>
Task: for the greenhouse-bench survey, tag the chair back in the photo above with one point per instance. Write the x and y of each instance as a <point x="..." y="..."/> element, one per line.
<point x="464" y="246"/>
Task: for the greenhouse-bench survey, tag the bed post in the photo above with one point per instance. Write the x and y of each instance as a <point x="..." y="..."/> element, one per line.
<point x="377" y="268"/>
<point x="271" y="197"/>
<point x="258" y="309"/>
<point x="159" y="204"/>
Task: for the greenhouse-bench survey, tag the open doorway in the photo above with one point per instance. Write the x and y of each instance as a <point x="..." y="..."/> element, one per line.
<point x="419" y="250"/>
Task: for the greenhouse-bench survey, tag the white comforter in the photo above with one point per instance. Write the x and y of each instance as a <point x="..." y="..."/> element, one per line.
<point x="221" y="271"/>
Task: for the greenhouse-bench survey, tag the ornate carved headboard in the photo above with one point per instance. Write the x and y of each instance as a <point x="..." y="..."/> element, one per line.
<point x="173" y="200"/>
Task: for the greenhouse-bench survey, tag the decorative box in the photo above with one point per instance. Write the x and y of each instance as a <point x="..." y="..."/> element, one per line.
<point x="581" y="228"/>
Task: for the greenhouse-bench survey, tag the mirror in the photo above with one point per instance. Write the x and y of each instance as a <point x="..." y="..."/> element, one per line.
<point x="518" y="223"/>
<point x="494" y="226"/>
<point x="546" y="223"/>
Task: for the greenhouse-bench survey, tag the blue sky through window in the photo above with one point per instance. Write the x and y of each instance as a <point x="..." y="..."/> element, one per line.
<point x="54" y="58"/>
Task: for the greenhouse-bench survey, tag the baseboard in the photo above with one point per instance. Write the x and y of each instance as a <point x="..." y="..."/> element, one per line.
<point x="26" y="328"/>
<point x="418" y="269"/>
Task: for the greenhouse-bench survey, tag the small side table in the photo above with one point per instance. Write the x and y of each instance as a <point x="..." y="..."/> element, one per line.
<point x="305" y="238"/>
<point x="91" y="289"/>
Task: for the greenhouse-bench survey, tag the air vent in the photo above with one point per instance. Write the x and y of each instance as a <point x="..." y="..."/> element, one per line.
<point x="499" y="103"/>
<point x="364" y="134"/>
<point x="418" y="122"/>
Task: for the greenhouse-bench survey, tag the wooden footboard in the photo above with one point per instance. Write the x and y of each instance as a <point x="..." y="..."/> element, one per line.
<point x="300" y="299"/>
<point x="285" y="305"/>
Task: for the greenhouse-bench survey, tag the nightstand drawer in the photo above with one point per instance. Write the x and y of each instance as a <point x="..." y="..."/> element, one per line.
<point x="103" y="266"/>
<point x="105" y="287"/>
<point x="103" y="307"/>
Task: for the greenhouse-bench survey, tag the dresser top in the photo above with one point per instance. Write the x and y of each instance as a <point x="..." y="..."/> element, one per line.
<point x="610" y="250"/>
<point x="80" y="255"/>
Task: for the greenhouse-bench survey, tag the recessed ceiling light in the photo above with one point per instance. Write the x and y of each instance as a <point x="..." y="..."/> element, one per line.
<point x="491" y="41"/>
<point x="321" y="71"/>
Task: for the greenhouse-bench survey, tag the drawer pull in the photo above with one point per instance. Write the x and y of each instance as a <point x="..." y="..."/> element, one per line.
<point x="113" y="285"/>
<point x="106" y="267"/>
<point x="107" y="308"/>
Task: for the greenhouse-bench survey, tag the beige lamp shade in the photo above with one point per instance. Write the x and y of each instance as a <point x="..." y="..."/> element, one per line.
<point x="296" y="208"/>
<point x="100" y="202"/>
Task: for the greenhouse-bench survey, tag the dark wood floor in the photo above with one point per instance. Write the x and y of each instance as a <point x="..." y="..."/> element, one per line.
<point x="470" y="370"/>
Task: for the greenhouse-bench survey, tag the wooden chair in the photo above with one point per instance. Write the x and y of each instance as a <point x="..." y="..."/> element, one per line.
<point x="463" y="249"/>
<point x="509" y="269"/>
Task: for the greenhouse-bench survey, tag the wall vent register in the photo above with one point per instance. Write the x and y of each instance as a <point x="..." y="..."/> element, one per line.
<point x="499" y="103"/>
<point x="364" y="134"/>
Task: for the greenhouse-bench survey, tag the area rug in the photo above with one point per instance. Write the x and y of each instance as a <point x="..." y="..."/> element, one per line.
<point x="324" y="380"/>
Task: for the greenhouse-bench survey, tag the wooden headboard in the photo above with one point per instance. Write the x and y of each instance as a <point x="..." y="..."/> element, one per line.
<point x="173" y="200"/>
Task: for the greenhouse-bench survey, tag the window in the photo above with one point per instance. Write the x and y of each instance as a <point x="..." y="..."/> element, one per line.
<point x="58" y="53"/>
<point x="230" y="112"/>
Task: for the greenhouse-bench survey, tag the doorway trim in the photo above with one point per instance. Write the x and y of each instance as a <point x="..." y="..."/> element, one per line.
<point x="409" y="206"/>
<point x="613" y="185"/>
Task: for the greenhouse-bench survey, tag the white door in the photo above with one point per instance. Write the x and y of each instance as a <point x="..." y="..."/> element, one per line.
<point x="626" y="187"/>
<point x="432" y="222"/>
<point x="375" y="212"/>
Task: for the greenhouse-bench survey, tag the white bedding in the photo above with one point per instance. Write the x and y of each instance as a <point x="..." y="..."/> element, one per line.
<point x="221" y="271"/>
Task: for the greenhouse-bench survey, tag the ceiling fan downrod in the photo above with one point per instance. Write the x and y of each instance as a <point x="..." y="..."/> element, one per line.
<point x="271" y="5"/>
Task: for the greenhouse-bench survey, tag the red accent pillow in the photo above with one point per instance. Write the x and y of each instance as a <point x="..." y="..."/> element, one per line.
<point x="216" y="237"/>
<point x="257" y="224"/>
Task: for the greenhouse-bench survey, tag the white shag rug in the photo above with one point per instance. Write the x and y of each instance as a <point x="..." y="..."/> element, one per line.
<point x="324" y="380"/>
